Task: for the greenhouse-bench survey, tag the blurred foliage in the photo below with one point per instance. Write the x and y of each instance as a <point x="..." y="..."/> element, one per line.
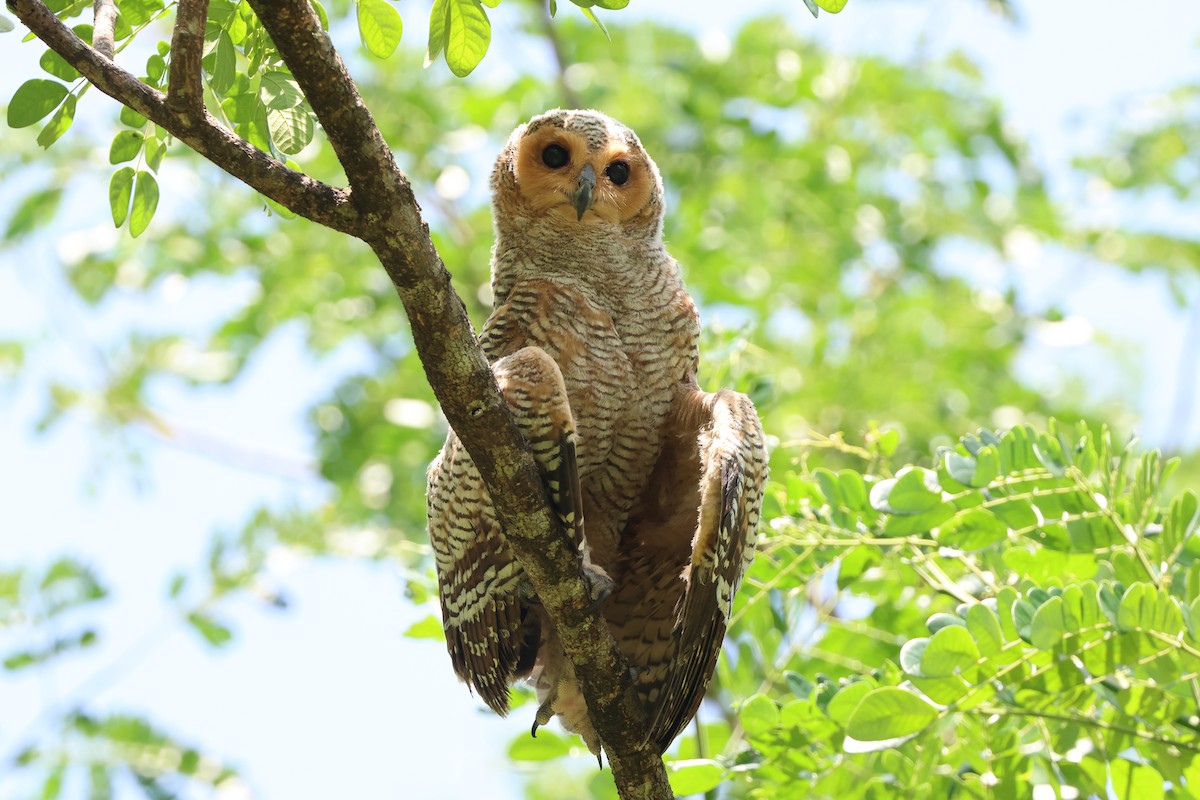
<point x="823" y="208"/>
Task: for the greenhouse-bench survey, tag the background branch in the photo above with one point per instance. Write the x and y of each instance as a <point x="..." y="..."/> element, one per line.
<point x="185" y="92"/>
<point x="546" y="24"/>
<point x="104" y="27"/>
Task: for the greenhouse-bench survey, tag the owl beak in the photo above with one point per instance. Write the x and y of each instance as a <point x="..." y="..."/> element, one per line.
<point x="581" y="198"/>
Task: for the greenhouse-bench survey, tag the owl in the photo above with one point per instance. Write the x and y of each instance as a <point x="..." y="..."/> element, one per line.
<point x="593" y="341"/>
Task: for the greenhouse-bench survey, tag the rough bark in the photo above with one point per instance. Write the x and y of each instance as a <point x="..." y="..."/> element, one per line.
<point x="380" y="208"/>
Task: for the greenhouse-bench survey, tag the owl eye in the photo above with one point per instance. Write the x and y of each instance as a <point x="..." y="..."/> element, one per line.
<point x="618" y="172"/>
<point x="555" y="156"/>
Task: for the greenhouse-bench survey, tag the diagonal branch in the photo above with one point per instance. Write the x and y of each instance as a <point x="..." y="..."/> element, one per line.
<point x="185" y="92"/>
<point x="196" y="128"/>
<point x="463" y="383"/>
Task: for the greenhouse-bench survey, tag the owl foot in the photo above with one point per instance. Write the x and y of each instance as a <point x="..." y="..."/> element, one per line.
<point x="599" y="585"/>
<point x="526" y="591"/>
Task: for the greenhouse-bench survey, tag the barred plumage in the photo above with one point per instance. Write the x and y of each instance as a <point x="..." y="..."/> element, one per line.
<point x="594" y="344"/>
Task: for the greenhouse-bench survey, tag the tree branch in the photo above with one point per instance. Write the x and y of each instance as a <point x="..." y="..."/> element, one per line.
<point x="463" y="382"/>
<point x="185" y="92"/>
<point x="196" y="128"/>
<point x="104" y="27"/>
<point x="381" y="209"/>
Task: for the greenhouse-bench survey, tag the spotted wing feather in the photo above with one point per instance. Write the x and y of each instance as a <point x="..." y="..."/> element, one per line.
<point x="478" y="579"/>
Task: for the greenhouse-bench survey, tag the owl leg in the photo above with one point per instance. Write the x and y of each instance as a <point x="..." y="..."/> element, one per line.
<point x="533" y="385"/>
<point x="558" y="691"/>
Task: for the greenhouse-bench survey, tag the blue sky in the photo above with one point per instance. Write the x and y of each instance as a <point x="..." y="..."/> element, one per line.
<point x="388" y="719"/>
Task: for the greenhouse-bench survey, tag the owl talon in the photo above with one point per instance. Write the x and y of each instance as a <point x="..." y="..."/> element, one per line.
<point x="544" y="714"/>
<point x="599" y="585"/>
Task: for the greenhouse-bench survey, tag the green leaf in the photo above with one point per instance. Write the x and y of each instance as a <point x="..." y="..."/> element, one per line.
<point x="59" y="124"/>
<point x="547" y="746"/>
<point x="125" y="146"/>
<point x="132" y="118"/>
<point x="278" y="89"/>
<point x="1135" y="781"/>
<point x="841" y="706"/>
<point x="950" y="651"/>
<point x="34" y="210"/>
<point x="1023" y="612"/>
<point x="694" y="777"/>
<point x="428" y="628"/>
<point x="987" y="467"/>
<point x="6" y="24"/>
<point x="759" y="715"/>
<point x="224" y="64"/>
<point x="139" y="12"/>
<point x="213" y="632"/>
<point x="832" y="6"/>
<point x="960" y="467"/>
<point x="57" y="66"/>
<point x="379" y="26"/>
<point x="587" y="12"/>
<point x="291" y="128"/>
<point x="973" y="529"/>
<point x="886" y="716"/>
<point x="120" y="191"/>
<point x="984" y="625"/>
<point x="145" y="201"/>
<point x="942" y="620"/>
<point x="156" y="149"/>
<point x="1145" y="607"/>
<point x="853" y="490"/>
<point x="1048" y="626"/>
<point x="856" y="562"/>
<point x="912" y="491"/>
<point x="468" y="34"/>
<point x="437" y="31"/>
<point x="34" y="100"/>
<point x="911" y="655"/>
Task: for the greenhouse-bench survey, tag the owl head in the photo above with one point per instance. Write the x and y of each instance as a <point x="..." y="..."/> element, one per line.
<point x="581" y="169"/>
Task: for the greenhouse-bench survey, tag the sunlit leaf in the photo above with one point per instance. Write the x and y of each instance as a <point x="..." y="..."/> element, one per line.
<point x="33" y="100"/>
<point x="380" y="27"/>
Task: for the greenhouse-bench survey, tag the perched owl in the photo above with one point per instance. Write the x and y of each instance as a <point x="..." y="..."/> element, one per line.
<point x="593" y="342"/>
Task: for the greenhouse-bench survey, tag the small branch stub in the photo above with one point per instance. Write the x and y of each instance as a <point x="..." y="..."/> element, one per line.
<point x="104" y="28"/>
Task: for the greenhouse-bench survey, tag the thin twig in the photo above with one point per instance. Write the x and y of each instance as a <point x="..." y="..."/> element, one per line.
<point x="104" y="28"/>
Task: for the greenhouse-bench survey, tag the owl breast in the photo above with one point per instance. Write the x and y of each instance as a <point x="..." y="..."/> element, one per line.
<point x="620" y="362"/>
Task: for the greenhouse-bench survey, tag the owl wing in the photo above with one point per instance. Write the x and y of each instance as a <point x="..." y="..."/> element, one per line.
<point x="482" y="612"/>
<point x="732" y="471"/>
<point x="492" y="633"/>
